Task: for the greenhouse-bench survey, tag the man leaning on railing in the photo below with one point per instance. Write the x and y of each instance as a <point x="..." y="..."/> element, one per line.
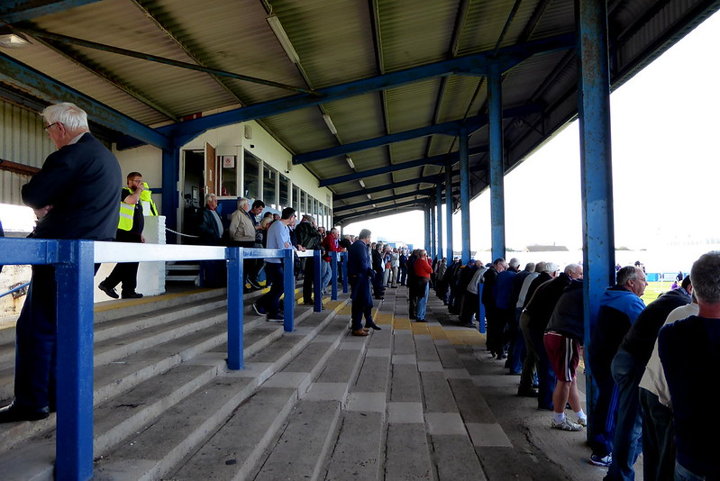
<point x="75" y="197"/>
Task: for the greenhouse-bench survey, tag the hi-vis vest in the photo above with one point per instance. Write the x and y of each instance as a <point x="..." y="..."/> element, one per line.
<point x="127" y="211"/>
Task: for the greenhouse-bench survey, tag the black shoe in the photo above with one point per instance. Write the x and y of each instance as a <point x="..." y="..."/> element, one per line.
<point x="527" y="393"/>
<point x="131" y="295"/>
<point x="110" y="291"/>
<point x="372" y="325"/>
<point x="254" y="285"/>
<point x="419" y="320"/>
<point x="14" y="413"/>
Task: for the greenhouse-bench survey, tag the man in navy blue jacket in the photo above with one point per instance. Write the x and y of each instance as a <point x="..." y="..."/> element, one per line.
<point x="75" y="197"/>
<point x="690" y="354"/>
<point x="620" y="306"/>
<point x="359" y="274"/>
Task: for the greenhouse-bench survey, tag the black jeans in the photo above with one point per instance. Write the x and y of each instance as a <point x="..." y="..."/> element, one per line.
<point x="270" y="301"/>
<point x="124" y="272"/>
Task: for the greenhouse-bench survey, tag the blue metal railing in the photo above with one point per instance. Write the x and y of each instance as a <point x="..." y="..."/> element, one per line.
<point x="74" y="266"/>
<point x="15" y="289"/>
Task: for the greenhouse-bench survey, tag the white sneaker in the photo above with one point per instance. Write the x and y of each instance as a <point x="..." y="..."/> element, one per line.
<point x="565" y="425"/>
<point x="582" y="422"/>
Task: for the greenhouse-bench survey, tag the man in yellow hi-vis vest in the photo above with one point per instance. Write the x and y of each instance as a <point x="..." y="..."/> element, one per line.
<point x="130" y="229"/>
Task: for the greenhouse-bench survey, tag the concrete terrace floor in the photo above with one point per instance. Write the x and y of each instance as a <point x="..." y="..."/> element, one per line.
<point x="444" y="384"/>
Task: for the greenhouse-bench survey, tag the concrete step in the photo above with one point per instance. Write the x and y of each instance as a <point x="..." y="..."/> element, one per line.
<point x="165" y="444"/>
<point x="138" y="409"/>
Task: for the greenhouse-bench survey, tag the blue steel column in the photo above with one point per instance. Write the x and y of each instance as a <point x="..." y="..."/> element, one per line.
<point x="289" y="289"/>
<point x="497" y="154"/>
<point x="448" y="211"/>
<point x="596" y="172"/>
<point x="334" y="275"/>
<point x="431" y="248"/>
<point x="464" y="194"/>
<point x="74" y="446"/>
<point x="317" y="286"/>
<point x="235" y="287"/>
<point x="170" y="177"/>
<point x="426" y="218"/>
<point x="438" y="204"/>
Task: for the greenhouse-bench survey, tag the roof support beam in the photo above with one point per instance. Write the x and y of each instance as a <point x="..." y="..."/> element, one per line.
<point x="434" y="160"/>
<point x="427" y="192"/>
<point x="29" y="80"/>
<point x="423" y="180"/>
<point x="366" y="213"/>
<point x="477" y="64"/>
<point x="13" y="11"/>
<point x="449" y="128"/>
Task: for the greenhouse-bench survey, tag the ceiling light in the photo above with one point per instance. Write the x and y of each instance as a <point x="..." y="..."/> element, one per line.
<point x="349" y="161"/>
<point x="369" y="196"/>
<point x="282" y="37"/>
<point x="329" y="123"/>
<point x="12" y="40"/>
<point x="373" y="206"/>
<point x="362" y="184"/>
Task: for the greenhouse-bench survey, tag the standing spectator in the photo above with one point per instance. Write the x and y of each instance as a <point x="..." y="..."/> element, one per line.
<point x="422" y="269"/>
<point x="690" y="351"/>
<point x="544" y="271"/>
<point x="212" y="273"/>
<point x="402" y="264"/>
<point x="242" y="234"/>
<point x="412" y="285"/>
<point x="516" y="345"/>
<point x="130" y="228"/>
<point x="627" y="369"/>
<point x="2" y="234"/>
<point x="359" y="274"/>
<point x="330" y="244"/>
<point x="471" y="301"/>
<point x="308" y="236"/>
<point x="379" y="268"/>
<point x="256" y="265"/>
<point x="387" y="266"/>
<point x="395" y="266"/>
<point x="494" y="333"/>
<point x="503" y="293"/>
<point x="278" y="237"/>
<point x="619" y="308"/>
<point x="74" y="196"/>
<point x="563" y="337"/>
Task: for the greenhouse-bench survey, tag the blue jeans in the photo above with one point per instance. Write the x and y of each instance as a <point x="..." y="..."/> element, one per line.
<point x="325" y="276"/>
<point x="627" y="445"/>
<point x="422" y="303"/>
<point x="682" y="474"/>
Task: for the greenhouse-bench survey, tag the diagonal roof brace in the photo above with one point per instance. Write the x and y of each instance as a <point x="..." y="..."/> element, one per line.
<point x="426" y="192"/>
<point x="432" y="179"/>
<point x="411" y="203"/>
<point x="448" y="128"/>
<point x="471" y="63"/>
<point x="13" y="11"/>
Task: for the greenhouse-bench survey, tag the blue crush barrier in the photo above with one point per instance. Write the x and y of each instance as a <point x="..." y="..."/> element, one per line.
<point x="74" y="266"/>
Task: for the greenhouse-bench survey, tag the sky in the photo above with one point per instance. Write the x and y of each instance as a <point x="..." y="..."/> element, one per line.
<point x="666" y="165"/>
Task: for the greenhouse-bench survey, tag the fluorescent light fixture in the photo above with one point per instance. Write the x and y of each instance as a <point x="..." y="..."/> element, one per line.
<point x="329" y="123"/>
<point x="374" y="206"/>
<point x="12" y="40"/>
<point x="362" y="184"/>
<point x="282" y="37"/>
<point x="369" y="196"/>
<point x="349" y="161"/>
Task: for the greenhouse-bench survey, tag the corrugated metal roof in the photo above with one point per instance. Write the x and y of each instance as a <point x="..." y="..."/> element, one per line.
<point x="341" y="42"/>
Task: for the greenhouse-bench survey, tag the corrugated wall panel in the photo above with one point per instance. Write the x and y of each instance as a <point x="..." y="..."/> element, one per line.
<point x="22" y="138"/>
<point x="10" y="184"/>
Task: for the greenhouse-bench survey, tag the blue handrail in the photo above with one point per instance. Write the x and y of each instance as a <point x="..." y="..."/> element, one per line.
<point x="74" y="266"/>
<point x="21" y="286"/>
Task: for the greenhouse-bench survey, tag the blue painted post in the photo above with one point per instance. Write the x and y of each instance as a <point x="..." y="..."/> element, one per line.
<point x="334" y="277"/>
<point x="170" y="177"/>
<point x="344" y="271"/>
<point x="289" y="289"/>
<point x="448" y="212"/>
<point x="438" y="204"/>
<point x="236" y="315"/>
<point x="431" y="247"/>
<point x="317" y="286"/>
<point x="497" y="194"/>
<point x="596" y="171"/>
<point x="464" y="194"/>
<point x="74" y="445"/>
<point x="426" y="218"/>
<point x="481" y="310"/>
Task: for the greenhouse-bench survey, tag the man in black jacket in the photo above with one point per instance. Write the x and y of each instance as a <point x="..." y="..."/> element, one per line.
<point x="309" y="237"/>
<point x="75" y="197"/>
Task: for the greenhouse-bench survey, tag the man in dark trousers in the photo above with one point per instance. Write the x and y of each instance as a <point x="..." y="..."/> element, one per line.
<point x="307" y="235"/>
<point x="130" y="228"/>
<point x="74" y="196"/>
<point x="359" y="274"/>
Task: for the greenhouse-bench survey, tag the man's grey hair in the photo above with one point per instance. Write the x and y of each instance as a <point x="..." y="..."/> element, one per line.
<point x="530" y="266"/>
<point x="209" y="196"/>
<point x="242" y="202"/>
<point x="627" y="274"/>
<point x="514" y="263"/>
<point x="572" y="268"/>
<point x="551" y="267"/>
<point x="364" y="234"/>
<point x="70" y="115"/>
<point x="705" y="277"/>
<point x="540" y="267"/>
<point x="498" y="261"/>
